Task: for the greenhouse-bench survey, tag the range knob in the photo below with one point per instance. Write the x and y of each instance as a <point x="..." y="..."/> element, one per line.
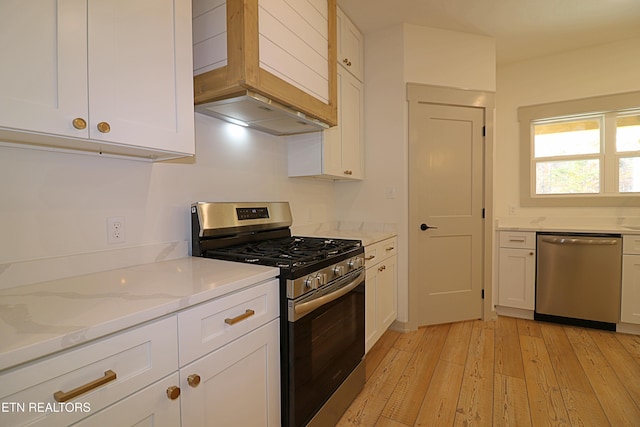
<point x="338" y="270"/>
<point x="354" y="263"/>
<point x="312" y="282"/>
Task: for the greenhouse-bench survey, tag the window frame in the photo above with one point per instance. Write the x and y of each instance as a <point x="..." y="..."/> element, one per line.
<point x="578" y="107"/>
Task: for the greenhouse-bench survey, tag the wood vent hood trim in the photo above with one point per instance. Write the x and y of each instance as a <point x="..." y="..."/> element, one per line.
<point x="243" y="74"/>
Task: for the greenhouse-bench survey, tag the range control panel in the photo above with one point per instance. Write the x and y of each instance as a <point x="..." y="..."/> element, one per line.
<point x="252" y="213"/>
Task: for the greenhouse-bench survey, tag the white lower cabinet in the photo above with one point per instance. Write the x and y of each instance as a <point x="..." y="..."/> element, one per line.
<point x="149" y="407"/>
<point x="82" y="381"/>
<point x="630" y="307"/>
<point x="230" y="360"/>
<point x="516" y="275"/>
<point x="214" y="364"/>
<point x="381" y="299"/>
<point x="237" y="385"/>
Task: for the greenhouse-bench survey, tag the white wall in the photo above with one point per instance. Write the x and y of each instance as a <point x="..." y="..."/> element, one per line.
<point x="56" y="204"/>
<point x="449" y="58"/>
<point x="598" y="70"/>
<point x="394" y="57"/>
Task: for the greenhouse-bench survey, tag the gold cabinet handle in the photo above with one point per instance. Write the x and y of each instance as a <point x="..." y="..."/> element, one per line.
<point x="79" y="123"/>
<point x="173" y="392"/>
<point x="348" y="172"/>
<point x="61" y="396"/>
<point x="193" y="380"/>
<point x="240" y="318"/>
<point x="104" y="127"/>
<point x="346" y="62"/>
<point x="390" y="248"/>
<point x="382" y="268"/>
<point x="369" y="258"/>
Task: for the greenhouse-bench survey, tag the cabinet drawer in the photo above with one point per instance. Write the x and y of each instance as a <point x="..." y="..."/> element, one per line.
<point x="151" y="403"/>
<point x="210" y="325"/>
<point x="631" y="244"/>
<point x="517" y="239"/>
<point x="138" y="357"/>
<point x="380" y="251"/>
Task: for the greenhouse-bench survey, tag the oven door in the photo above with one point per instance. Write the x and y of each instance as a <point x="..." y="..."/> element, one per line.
<point x="324" y="343"/>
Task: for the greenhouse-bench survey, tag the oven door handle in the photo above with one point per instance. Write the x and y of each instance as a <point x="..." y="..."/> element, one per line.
<point x="307" y="307"/>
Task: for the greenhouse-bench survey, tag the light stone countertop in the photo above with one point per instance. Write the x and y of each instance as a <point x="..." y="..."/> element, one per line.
<point x="368" y="234"/>
<point x="569" y="225"/>
<point x="44" y="318"/>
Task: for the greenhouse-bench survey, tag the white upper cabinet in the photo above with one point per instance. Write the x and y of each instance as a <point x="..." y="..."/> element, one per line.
<point x="336" y="153"/>
<point x="109" y="76"/>
<point x="350" y="46"/>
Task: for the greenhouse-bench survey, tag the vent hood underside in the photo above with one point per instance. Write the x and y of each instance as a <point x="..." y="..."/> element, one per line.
<point x="259" y="112"/>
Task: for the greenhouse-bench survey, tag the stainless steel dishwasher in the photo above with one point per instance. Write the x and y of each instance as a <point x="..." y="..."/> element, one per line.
<point x="578" y="279"/>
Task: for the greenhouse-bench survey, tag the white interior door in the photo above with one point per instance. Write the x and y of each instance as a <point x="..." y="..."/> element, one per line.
<point x="446" y="211"/>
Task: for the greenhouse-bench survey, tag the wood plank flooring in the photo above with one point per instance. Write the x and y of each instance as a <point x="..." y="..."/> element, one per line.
<point x="508" y="372"/>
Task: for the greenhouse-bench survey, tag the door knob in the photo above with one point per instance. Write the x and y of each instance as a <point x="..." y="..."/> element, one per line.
<point x="425" y="227"/>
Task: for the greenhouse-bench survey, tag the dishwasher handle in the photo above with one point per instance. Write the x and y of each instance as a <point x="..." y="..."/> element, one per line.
<point x="558" y="240"/>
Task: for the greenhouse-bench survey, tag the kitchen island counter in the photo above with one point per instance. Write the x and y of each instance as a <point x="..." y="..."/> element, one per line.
<point x="43" y="318"/>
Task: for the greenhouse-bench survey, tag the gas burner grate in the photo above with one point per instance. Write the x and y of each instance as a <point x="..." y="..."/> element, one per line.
<point x="289" y="252"/>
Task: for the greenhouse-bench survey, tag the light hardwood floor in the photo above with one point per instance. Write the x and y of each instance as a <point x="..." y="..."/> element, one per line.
<point x="508" y="372"/>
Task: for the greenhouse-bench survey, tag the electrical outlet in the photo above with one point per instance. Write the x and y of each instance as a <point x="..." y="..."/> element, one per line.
<point x="115" y="230"/>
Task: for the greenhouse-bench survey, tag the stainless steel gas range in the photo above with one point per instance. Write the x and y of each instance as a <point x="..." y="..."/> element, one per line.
<point x="322" y="300"/>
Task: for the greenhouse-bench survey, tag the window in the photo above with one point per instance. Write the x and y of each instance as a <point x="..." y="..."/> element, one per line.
<point x="581" y="153"/>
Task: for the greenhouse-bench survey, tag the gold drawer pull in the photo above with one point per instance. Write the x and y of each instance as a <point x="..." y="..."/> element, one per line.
<point x="240" y="318"/>
<point x="61" y="396"/>
<point x="382" y="268"/>
<point x="390" y="248"/>
<point x="348" y="172"/>
<point x="369" y="258"/>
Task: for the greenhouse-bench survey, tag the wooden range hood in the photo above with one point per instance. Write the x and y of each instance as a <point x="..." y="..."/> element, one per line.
<point x="243" y="76"/>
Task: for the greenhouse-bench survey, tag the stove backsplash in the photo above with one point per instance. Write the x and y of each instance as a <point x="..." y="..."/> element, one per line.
<point x="56" y="204"/>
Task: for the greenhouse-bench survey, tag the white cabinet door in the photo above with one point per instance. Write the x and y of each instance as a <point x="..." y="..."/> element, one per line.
<point x="371" y="333"/>
<point x="43" y="77"/>
<point x="238" y="384"/>
<point x="630" y="310"/>
<point x="387" y="300"/>
<point x="140" y="73"/>
<point x="150" y="407"/>
<point x="517" y="278"/>
<point x="350" y="46"/>
<point x="350" y="112"/>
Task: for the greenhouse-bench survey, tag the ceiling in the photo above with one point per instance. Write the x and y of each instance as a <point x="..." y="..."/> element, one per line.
<point x="522" y="28"/>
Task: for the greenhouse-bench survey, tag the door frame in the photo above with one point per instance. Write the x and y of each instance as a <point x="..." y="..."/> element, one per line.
<point x="465" y="98"/>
